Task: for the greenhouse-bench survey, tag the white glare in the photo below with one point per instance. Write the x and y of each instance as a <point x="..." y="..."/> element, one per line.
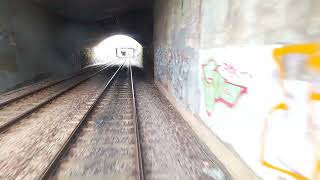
<point x="106" y="51"/>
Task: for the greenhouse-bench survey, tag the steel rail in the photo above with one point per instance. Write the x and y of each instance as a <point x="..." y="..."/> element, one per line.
<point x="136" y="129"/>
<point x="47" y="172"/>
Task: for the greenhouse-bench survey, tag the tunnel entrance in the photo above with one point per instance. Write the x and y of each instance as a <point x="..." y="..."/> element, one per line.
<point x="117" y="48"/>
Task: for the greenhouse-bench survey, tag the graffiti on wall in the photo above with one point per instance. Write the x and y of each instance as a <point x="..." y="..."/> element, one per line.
<point x="294" y="153"/>
<point x="172" y="66"/>
<point x="217" y="87"/>
<point x="178" y="71"/>
<point x="160" y="65"/>
<point x="171" y="54"/>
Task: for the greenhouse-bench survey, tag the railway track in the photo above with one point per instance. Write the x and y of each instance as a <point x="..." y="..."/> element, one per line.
<point x="28" y="147"/>
<point x="105" y="143"/>
<point x="90" y="131"/>
<point x="15" y="109"/>
<point x="14" y="95"/>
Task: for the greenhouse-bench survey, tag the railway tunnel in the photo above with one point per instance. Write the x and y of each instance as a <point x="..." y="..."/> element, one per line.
<point x="159" y="89"/>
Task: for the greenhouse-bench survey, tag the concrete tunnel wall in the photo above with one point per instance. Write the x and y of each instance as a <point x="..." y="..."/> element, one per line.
<point x="230" y="43"/>
<point x="34" y="43"/>
<point x="37" y="43"/>
<point x="190" y="39"/>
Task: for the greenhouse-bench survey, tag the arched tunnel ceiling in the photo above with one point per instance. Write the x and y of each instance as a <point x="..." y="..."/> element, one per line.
<point x="107" y="17"/>
<point x="94" y="10"/>
<point x="83" y="24"/>
<point x="129" y="17"/>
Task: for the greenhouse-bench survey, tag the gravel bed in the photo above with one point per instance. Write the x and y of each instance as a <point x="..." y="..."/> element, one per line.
<point x="105" y="147"/>
<point x="170" y="148"/>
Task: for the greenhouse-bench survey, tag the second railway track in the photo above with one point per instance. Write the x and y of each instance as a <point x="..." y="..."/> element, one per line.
<point x="21" y="107"/>
<point x="15" y="95"/>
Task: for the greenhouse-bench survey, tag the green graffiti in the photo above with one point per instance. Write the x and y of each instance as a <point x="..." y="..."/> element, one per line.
<point x="218" y="89"/>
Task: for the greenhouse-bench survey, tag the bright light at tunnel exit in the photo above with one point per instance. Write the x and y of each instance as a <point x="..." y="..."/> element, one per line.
<point x="106" y="51"/>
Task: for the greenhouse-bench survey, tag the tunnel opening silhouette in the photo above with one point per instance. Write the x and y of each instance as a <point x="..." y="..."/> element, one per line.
<point x="117" y="48"/>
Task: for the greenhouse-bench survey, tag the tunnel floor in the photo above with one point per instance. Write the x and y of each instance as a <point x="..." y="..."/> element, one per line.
<point x="99" y="124"/>
<point x="171" y="149"/>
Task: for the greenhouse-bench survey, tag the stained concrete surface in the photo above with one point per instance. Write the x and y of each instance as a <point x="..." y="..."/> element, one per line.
<point x="189" y="34"/>
<point x="29" y="47"/>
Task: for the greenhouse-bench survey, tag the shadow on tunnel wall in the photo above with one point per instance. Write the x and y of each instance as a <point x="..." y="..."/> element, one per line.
<point x="30" y="45"/>
<point x="36" y="42"/>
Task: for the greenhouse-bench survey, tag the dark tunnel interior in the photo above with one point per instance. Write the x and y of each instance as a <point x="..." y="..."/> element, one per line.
<point x="45" y="38"/>
<point x="223" y="89"/>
